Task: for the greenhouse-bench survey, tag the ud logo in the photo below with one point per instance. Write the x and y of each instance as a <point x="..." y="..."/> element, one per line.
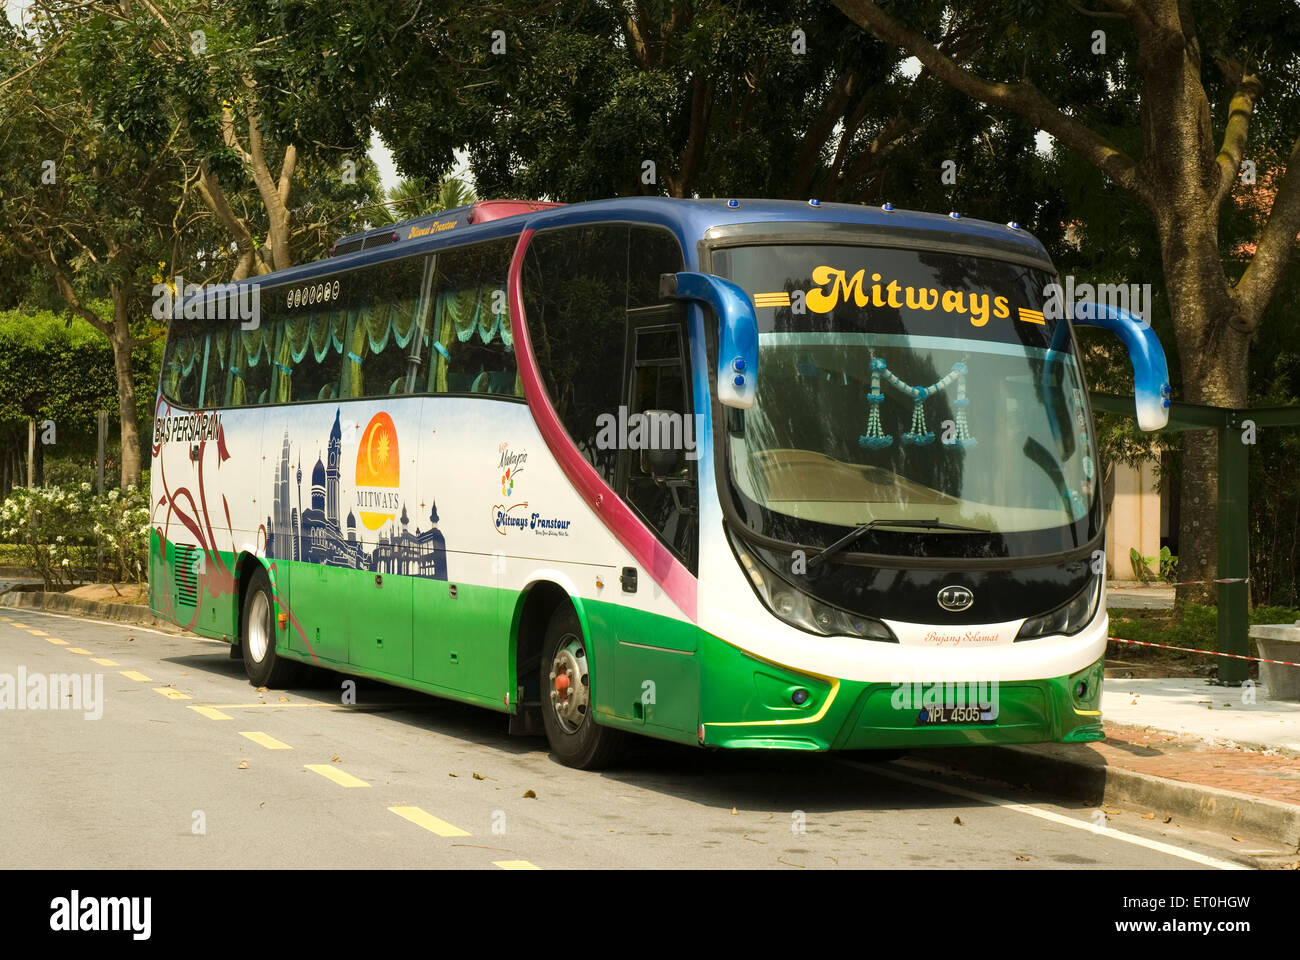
<point x="955" y="599"/>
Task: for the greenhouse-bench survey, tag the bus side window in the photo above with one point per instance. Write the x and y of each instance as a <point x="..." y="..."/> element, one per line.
<point x="314" y="347"/>
<point x="248" y="378"/>
<point x="217" y="352"/>
<point x="658" y="378"/>
<point x="658" y="382"/>
<point x="183" y="363"/>
<point x="469" y="342"/>
<point x="575" y="299"/>
<point x="381" y="327"/>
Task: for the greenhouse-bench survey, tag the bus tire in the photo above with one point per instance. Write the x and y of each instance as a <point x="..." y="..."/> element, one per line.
<point x="567" y="709"/>
<point x="264" y="666"/>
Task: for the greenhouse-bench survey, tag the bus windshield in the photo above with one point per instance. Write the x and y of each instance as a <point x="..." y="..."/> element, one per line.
<point x="900" y="385"/>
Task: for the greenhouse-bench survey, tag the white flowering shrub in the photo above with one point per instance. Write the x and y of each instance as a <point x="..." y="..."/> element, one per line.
<point x="120" y="521"/>
<point x="59" y="529"/>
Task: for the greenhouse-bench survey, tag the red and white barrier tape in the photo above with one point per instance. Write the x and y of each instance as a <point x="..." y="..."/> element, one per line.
<point x="1212" y="653"/>
<point x="1181" y="583"/>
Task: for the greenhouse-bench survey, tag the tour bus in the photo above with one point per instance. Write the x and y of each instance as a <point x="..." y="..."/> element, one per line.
<point x="730" y="473"/>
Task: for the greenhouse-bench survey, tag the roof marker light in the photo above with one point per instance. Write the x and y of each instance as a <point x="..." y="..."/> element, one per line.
<point x="955" y="215"/>
<point x="1013" y="225"/>
<point x="733" y="203"/>
<point x="814" y="203"/>
<point x="887" y="207"/>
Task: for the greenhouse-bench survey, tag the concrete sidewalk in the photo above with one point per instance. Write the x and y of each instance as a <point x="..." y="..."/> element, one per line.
<point x="1195" y="708"/>
<point x="1133" y="595"/>
<point x="1180" y="747"/>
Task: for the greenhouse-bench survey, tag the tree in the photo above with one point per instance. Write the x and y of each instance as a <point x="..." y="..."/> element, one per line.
<point x="417" y="197"/>
<point x="1199" y="72"/>
<point x="268" y="104"/>
<point x="599" y="98"/>
<point x="90" y="207"/>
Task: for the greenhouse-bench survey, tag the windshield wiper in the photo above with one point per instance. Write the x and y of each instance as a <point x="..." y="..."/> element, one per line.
<point x="844" y="541"/>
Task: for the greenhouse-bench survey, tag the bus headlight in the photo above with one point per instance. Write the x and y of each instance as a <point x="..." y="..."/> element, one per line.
<point x="1066" y="619"/>
<point x="796" y="608"/>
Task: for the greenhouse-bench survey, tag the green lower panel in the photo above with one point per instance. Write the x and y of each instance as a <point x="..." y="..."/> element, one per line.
<point x="192" y="588"/>
<point x="650" y="674"/>
<point x="751" y="703"/>
<point x="647" y="674"/>
<point x="461" y="643"/>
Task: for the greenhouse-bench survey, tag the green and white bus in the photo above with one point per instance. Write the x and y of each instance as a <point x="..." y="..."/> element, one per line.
<point x="732" y="473"/>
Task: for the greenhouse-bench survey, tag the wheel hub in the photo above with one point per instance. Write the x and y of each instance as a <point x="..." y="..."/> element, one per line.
<point x="570" y="684"/>
<point x="259" y="627"/>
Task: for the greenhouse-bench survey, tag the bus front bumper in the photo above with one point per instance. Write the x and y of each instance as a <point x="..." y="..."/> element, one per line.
<point x="758" y="708"/>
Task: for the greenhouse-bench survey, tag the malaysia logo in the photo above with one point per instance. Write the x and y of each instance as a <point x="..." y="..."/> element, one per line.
<point x="511" y="464"/>
<point x="378" y="472"/>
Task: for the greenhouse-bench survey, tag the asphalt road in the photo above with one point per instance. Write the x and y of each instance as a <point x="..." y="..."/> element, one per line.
<point x="189" y="766"/>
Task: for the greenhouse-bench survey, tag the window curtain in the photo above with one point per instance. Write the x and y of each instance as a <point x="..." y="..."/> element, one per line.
<point x="297" y="329"/>
<point x="236" y="392"/>
<point x="358" y="321"/>
<point x="283" y="389"/>
<point x="186" y="351"/>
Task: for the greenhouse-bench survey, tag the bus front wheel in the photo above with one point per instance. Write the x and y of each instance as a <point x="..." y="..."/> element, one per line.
<point x="265" y="667"/>
<point x="567" y="708"/>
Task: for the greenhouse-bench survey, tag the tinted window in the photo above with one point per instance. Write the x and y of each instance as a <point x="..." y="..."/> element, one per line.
<point x="470" y="347"/>
<point x="604" y="340"/>
<point x="381" y="326"/>
<point x="182" y="369"/>
<point x="575" y="298"/>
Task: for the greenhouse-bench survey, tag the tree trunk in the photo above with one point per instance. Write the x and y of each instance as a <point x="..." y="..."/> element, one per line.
<point x="1213" y="359"/>
<point x="122" y="344"/>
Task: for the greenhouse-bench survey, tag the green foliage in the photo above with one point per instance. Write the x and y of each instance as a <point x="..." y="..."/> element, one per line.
<point x="1274" y="613"/>
<point x="58" y="531"/>
<point x="1194" y="625"/>
<point x="1168" y="565"/>
<point x="417" y="197"/>
<point x="56" y="367"/>
<point x="714" y="94"/>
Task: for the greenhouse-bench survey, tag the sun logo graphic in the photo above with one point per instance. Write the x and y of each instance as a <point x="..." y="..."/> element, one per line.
<point x="378" y="472"/>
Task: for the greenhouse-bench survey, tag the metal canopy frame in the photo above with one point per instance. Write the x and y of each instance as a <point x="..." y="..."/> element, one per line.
<point x="1233" y="508"/>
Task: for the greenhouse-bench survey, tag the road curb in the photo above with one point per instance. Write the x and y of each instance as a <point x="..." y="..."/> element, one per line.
<point x="1211" y="807"/>
<point x="61" y="603"/>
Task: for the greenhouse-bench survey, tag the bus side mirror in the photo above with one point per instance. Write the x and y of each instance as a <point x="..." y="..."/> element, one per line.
<point x="737" y="331"/>
<point x="1151" y="391"/>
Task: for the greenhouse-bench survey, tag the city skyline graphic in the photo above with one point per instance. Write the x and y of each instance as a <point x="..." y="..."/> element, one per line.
<point x="315" y="535"/>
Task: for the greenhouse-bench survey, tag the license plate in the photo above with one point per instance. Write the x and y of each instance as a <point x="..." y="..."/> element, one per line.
<point x="932" y="716"/>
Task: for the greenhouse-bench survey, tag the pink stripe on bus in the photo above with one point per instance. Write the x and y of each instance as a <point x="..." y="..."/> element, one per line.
<point x="630" y="530"/>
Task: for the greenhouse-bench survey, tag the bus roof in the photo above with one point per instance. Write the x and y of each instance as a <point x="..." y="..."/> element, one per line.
<point x="690" y="220"/>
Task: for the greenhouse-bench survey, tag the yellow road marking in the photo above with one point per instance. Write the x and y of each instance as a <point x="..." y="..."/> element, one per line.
<point x="84" y="653"/>
<point x="244" y="706"/>
<point x="37" y="633"/>
<point x="265" y="740"/>
<point x="431" y="823"/>
<point x="211" y="713"/>
<point x="335" y="774"/>
<point x="171" y="694"/>
<point x="56" y="641"/>
<point x="135" y="675"/>
<point x="104" y="662"/>
<point x="515" y="865"/>
<point x="21" y="625"/>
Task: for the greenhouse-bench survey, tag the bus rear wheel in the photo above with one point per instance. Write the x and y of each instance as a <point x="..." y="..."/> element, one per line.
<point x="567" y="710"/>
<point x="265" y="667"/>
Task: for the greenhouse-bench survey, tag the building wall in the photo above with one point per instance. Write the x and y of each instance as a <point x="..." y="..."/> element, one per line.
<point x="1133" y="520"/>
